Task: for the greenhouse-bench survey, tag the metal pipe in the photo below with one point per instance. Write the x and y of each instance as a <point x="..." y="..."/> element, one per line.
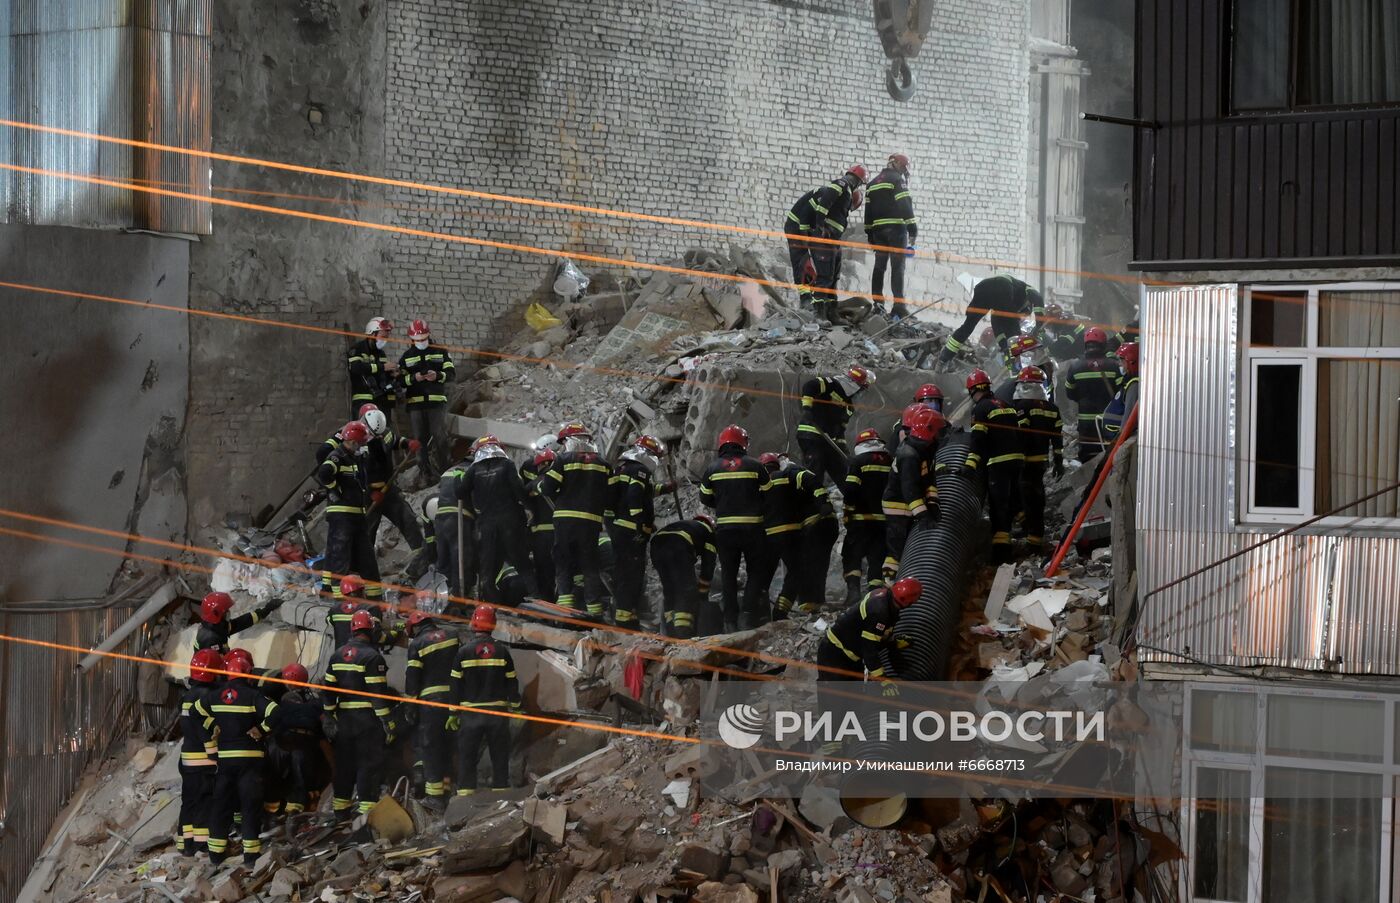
<point x="1119" y="120"/>
<point x="1129" y="426"/>
<point x="154" y="606"/>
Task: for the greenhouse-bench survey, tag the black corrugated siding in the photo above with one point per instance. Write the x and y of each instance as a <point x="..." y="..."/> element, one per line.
<point x="1273" y="189"/>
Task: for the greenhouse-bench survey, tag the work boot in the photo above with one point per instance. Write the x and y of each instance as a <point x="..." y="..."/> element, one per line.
<point x="778" y="613"/>
<point x="853" y="590"/>
<point x="434" y="804"/>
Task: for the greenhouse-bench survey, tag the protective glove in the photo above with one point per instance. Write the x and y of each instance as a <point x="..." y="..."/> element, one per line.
<point x="703" y="586"/>
<point x="418" y="377"/>
<point x="413" y="446"/>
<point x="409" y="715"/>
<point x="809" y="272"/>
<point x="888" y="688"/>
<point x="668" y="486"/>
<point x="431" y="376"/>
<point x="1058" y="468"/>
<point x="376" y="496"/>
<point x="389" y="735"/>
<point x="515" y="706"/>
<point x="453" y="723"/>
<point x="268" y="608"/>
<point x="909" y="251"/>
<point x="328" y="725"/>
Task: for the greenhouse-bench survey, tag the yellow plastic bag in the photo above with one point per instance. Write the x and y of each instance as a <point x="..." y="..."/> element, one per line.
<point x="540" y="319"/>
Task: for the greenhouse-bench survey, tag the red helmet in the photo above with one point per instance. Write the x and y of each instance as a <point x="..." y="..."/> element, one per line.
<point x="651" y="444"/>
<point x="484" y="618"/>
<point x="351" y="585"/>
<point x="978" y="379"/>
<point x="415" y="618"/>
<point x="419" y="330"/>
<point x="204" y="662"/>
<point x="572" y="428"/>
<point x="907" y="419"/>
<point x="906" y="591"/>
<point x="1022" y="344"/>
<point x="867" y="436"/>
<point x="857" y="198"/>
<point x="859" y="172"/>
<point x="988" y="338"/>
<point x="769" y="460"/>
<point x="361" y="620"/>
<point x="378" y="323"/>
<point x="928" y="392"/>
<point x="1095" y="335"/>
<point x="295" y="672"/>
<point x="1031" y="375"/>
<point x="926" y="423"/>
<point x="214" y="607"/>
<point x="901" y="163"/>
<point x="366" y="408"/>
<point x="355" y="431"/>
<point x="707" y="519"/>
<point x="860" y="376"/>
<point x="1128" y="354"/>
<point x="543" y="459"/>
<point x="733" y="435"/>
<point x="238" y="665"/>
<point x="484" y="441"/>
<point x="238" y="655"/>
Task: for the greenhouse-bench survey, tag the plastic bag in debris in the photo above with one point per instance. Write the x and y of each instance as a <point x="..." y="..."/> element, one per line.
<point x="570" y="282"/>
<point x="540" y="318"/>
<point x="1078" y="679"/>
<point x="432" y="592"/>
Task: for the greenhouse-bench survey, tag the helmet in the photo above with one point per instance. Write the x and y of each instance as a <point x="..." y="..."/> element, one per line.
<point x="861" y="376"/>
<point x="926" y="424"/>
<point x="377" y="324"/>
<point x="1054" y="311"/>
<point x="651" y="444"/>
<point x="238" y="665"/>
<point x="1128" y="354"/>
<point x="366" y="408"/>
<point x="214" y="607"/>
<point x="1031" y="375"/>
<point x="355" y="431"/>
<point x="906" y="591"/>
<point x="1095" y="335"/>
<point x="857" y="198"/>
<point x="978" y="379"/>
<point x="867" y="436"/>
<point x="733" y="435"/>
<point x="484" y="441"/>
<point x="430" y="507"/>
<point x="295" y="672"/>
<point x="769" y="460"/>
<point x="204" y="662"/>
<point x="912" y="411"/>
<point x="375" y="420"/>
<point x="351" y="585"/>
<point x="361" y="620"/>
<point x="415" y="618"/>
<point x="707" y="519"/>
<point x="419" y="330"/>
<point x="484" y="618"/>
<point x="988" y="338"/>
<point x="1023" y="344"/>
<point x="572" y="428"/>
<point x="543" y="459"/>
<point x="928" y="392"/>
<point x="901" y="163"/>
<point x="859" y="172"/>
<point x="239" y="655"/>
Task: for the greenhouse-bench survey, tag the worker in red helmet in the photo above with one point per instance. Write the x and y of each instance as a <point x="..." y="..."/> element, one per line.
<point x="827" y="403"/>
<point x="361" y="727"/>
<point x="676" y="551"/>
<point x="1008" y="300"/>
<point x="432" y="656"/>
<point x="295" y="765"/>
<point x="425" y="369"/>
<point x="539" y="512"/>
<point x="349" y="598"/>
<point x="864" y="514"/>
<point x="911" y="494"/>
<point x="997" y="435"/>
<point x="793" y="502"/>
<point x="633" y="487"/>
<point x="1091" y="382"/>
<point x="1127" y="397"/>
<point x="497" y="498"/>
<point x="890" y="226"/>
<point x="216" y="626"/>
<point x="345" y="480"/>
<point x="577" y="486"/>
<point x="820" y="213"/>
<point x="927" y="394"/>
<point x="735" y="486"/>
<point x="372" y="371"/>
<point x="857" y="643"/>
<point x="240" y="717"/>
<point x="197" y="751"/>
<point x="1042" y="441"/>
<point x="485" y="685"/>
<point x="1027" y="351"/>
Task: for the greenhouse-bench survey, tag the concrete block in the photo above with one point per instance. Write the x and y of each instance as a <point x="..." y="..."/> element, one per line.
<point x="703" y="860"/>
<point x="582" y="771"/>
<point x="697" y="761"/>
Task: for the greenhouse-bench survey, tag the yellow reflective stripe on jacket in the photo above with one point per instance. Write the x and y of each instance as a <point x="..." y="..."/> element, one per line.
<point x="482" y="663"/>
<point x="578" y="515"/>
<point x="577" y="465"/>
<point x="345" y="509"/>
<point x="740" y="519"/>
<point x="240" y="754"/>
<point x="445" y="644"/>
<point x="433" y="690"/>
<point x="1002" y="459"/>
<point x="783" y="528"/>
<point x="235" y="709"/>
<point x="346" y="666"/>
<point x="831" y="638"/>
<point x="736" y="475"/>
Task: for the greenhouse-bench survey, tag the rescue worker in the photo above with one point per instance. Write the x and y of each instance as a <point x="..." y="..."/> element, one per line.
<point x="217" y="626"/>
<point x="997" y="431"/>
<point x="426" y="369"/>
<point x="675" y="550"/>
<point x="495" y="494"/>
<point x="349" y="548"/>
<point x="928" y="394"/>
<point x="820" y="530"/>
<point x="787" y="504"/>
<point x="1008" y="300"/>
<point x="197" y="752"/>
<point x="806" y="220"/>
<point x="349" y="599"/>
<point x="1027" y="351"/>
<point x="828" y="258"/>
<point x="453" y="532"/>
<point x="827" y="402"/>
<point x="890" y="223"/>
<point x="426" y="556"/>
<point x="911" y="495"/>
<point x="577" y="484"/>
<point x="432" y="655"/>
<point x="863" y="631"/>
<point x="1126" y="400"/>
<point x="1091" y="382"/>
<point x="735" y="486"/>
<point x="1042" y="441"/>
<point x="237" y="716"/>
<point x="484" y="684"/>
<point x="540" y="513"/>
<point x="372" y="372"/>
<point x="864" y="515"/>
<point x="386" y="500"/>
<point x="296" y="767"/>
<point x="633" y="488"/>
<point x="360" y="727"/>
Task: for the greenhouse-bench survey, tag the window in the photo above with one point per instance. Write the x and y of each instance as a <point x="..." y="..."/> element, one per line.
<point x="1308" y="54"/>
<point x="1321" y="415"/>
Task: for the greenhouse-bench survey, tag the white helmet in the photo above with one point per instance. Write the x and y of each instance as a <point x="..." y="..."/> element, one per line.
<point x="376" y="421"/>
<point x="430" y="508"/>
<point x="376" y="324"/>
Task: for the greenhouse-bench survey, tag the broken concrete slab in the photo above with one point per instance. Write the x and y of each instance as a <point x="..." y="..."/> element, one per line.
<point x="514" y="435"/>
<point x="703" y="860"/>
<point x="582" y="771"/>
<point x="547" y="818"/>
<point x="489" y="842"/>
<point x="465" y="889"/>
<point x="1001" y="586"/>
<point x="695" y="762"/>
<point x="820" y="805"/>
<point x="716" y="892"/>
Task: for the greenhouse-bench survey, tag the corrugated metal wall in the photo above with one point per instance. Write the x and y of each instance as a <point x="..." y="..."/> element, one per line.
<point x="1271" y="606"/>
<point x="134" y="69"/>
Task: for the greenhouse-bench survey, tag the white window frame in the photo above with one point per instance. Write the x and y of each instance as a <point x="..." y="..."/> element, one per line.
<point x="1250" y="358"/>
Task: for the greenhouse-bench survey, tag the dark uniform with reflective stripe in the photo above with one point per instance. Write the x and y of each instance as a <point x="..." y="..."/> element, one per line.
<point x="362" y="725"/>
<point x="1043" y="437"/>
<point x="864" y="513"/>
<point x="340" y="614"/>
<point x="675" y="549"/>
<point x="215" y="636"/>
<point x="808" y="217"/>
<point x="493" y="487"/>
<point x="540" y="514"/>
<point x="484" y="682"/>
<point x="445" y="530"/>
<point x="349" y="549"/>
<point x="735" y="486"/>
<point x="633" y="493"/>
<point x="997" y="434"/>
<point x="910" y="495"/>
<point x="236" y="715"/>
<point x="577" y="483"/>
<point x="380" y="467"/>
<point x="369" y="383"/>
<point x="782" y="524"/>
<point x="890" y="222"/>
<point x="826" y="411"/>
<point x="1008" y="300"/>
<point x="431" y="657"/>
<point x="197" y="768"/>
<point x="854" y="642"/>
<point x="427" y="403"/>
<point x="1091" y="383"/>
